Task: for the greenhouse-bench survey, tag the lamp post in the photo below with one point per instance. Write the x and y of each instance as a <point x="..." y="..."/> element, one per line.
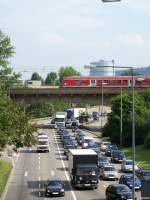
<point x="121" y="115"/>
<point x="102" y="102"/>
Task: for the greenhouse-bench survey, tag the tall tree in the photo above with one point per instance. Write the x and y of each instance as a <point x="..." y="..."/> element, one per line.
<point x="129" y="73"/>
<point x="66" y="72"/>
<point x="36" y="77"/>
<point x="7" y="76"/>
<point x="51" y="78"/>
<point x="142" y="124"/>
<point x="6" y="50"/>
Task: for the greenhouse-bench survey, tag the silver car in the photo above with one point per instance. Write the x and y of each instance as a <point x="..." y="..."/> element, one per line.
<point x="104" y="145"/>
<point x="127" y="166"/>
<point x="109" y="172"/>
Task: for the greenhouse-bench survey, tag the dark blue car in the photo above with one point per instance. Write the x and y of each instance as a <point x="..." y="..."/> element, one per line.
<point x="117" y="156"/>
<point x="127" y="179"/>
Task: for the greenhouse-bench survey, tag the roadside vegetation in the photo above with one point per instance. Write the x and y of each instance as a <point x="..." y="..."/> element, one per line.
<point x="142" y="120"/>
<point x="5" y="169"/>
<point x="142" y="156"/>
<point x="15" y="126"/>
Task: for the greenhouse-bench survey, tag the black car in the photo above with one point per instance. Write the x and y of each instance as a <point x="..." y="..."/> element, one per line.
<point x="117" y="156"/>
<point x="54" y="187"/>
<point x="110" y="149"/>
<point x="118" y="192"/>
<point x="95" y="115"/>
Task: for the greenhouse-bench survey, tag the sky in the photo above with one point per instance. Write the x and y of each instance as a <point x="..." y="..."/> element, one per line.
<point x="48" y="34"/>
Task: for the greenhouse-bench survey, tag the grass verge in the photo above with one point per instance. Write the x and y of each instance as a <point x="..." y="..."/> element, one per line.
<point x="142" y="156"/>
<point x="5" y="169"/>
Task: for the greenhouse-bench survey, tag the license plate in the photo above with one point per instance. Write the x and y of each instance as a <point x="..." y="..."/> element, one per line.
<point x="129" y="199"/>
<point x="55" y="193"/>
<point x="111" y="176"/>
<point x="87" y="184"/>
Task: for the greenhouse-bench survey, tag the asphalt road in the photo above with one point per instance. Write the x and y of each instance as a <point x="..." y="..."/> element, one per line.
<point x="33" y="169"/>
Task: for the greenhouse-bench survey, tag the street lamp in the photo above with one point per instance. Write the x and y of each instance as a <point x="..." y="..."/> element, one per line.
<point x="110" y="0"/>
<point x="133" y="125"/>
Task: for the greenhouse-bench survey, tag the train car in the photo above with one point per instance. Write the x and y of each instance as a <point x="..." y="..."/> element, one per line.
<point x="117" y="81"/>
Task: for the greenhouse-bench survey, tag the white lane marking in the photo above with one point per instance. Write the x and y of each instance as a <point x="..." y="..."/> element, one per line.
<point x="39" y="167"/>
<point x="39" y="162"/>
<point x="39" y="178"/>
<point x="39" y="154"/>
<point x="26" y="173"/>
<point x="52" y="173"/>
<point x="66" y="173"/>
<point x="39" y="194"/>
<point x="104" y="186"/>
<point x="39" y="157"/>
<point x="39" y="185"/>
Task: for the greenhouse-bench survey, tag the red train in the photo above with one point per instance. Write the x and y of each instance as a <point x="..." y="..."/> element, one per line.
<point x="118" y="81"/>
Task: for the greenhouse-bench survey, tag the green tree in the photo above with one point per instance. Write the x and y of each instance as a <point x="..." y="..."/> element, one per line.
<point x="6" y="50"/>
<point x="51" y="78"/>
<point x="36" y="77"/>
<point x="15" y="126"/>
<point x="39" y="110"/>
<point x="129" y="73"/>
<point x="112" y="128"/>
<point x="66" y="72"/>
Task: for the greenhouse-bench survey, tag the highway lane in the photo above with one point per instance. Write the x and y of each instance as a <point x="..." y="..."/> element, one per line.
<point x="33" y="169"/>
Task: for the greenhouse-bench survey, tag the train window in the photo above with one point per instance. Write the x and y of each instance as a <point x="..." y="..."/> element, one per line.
<point x="83" y="82"/>
<point x="115" y="81"/>
<point x="99" y="81"/>
<point x="106" y="81"/>
<point x="147" y="81"/>
<point x="124" y="82"/>
<point x="76" y="82"/>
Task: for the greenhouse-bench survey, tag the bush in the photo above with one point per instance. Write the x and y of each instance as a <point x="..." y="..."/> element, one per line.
<point x="147" y="141"/>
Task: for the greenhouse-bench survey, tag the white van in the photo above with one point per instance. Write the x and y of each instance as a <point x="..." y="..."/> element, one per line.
<point x="43" y="143"/>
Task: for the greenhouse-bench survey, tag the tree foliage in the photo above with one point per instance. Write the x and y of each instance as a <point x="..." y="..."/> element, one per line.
<point x="36" y="77"/>
<point x="15" y="126"/>
<point x="6" y="50"/>
<point x="51" y="78"/>
<point x="129" y="73"/>
<point x="142" y="123"/>
<point x="66" y="72"/>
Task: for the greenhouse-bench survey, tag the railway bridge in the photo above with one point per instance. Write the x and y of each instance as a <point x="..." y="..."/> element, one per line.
<point x="90" y="96"/>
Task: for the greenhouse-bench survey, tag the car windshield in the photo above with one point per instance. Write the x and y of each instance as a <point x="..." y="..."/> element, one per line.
<point x="103" y="159"/>
<point x="129" y="162"/>
<point x="122" y="188"/>
<point x="87" y="140"/>
<point x="42" y="142"/>
<point x="109" y="169"/>
<point x="59" y="119"/>
<point x="55" y="183"/>
<point x="85" y="170"/>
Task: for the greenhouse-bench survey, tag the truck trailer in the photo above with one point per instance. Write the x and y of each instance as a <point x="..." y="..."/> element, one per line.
<point x="83" y="168"/>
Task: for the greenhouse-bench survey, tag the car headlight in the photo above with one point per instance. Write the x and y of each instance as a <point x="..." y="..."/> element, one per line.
<point x="130" y="185"/>
<point x="62" y="190"/>
<point x="80" y="178"/>
<point x="123" y="197"/>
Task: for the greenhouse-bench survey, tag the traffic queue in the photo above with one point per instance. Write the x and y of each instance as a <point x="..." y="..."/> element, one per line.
<point x="90" y="162"/>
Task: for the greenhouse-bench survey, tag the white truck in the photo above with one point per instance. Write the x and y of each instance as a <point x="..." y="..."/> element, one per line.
<point x="42" y="143"/>
<point x="60" y="119"/>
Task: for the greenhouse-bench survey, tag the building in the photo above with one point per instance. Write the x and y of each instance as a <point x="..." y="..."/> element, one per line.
<point x="33" y="84"/>
<point x="101" y="68"/>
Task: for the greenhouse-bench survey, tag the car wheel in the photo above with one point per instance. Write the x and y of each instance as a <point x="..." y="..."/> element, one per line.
<point x="63" y="194"/>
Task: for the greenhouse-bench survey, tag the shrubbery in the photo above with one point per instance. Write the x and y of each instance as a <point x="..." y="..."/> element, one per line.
<point x="147" y="141"/>
<point x="142" y="120"/>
